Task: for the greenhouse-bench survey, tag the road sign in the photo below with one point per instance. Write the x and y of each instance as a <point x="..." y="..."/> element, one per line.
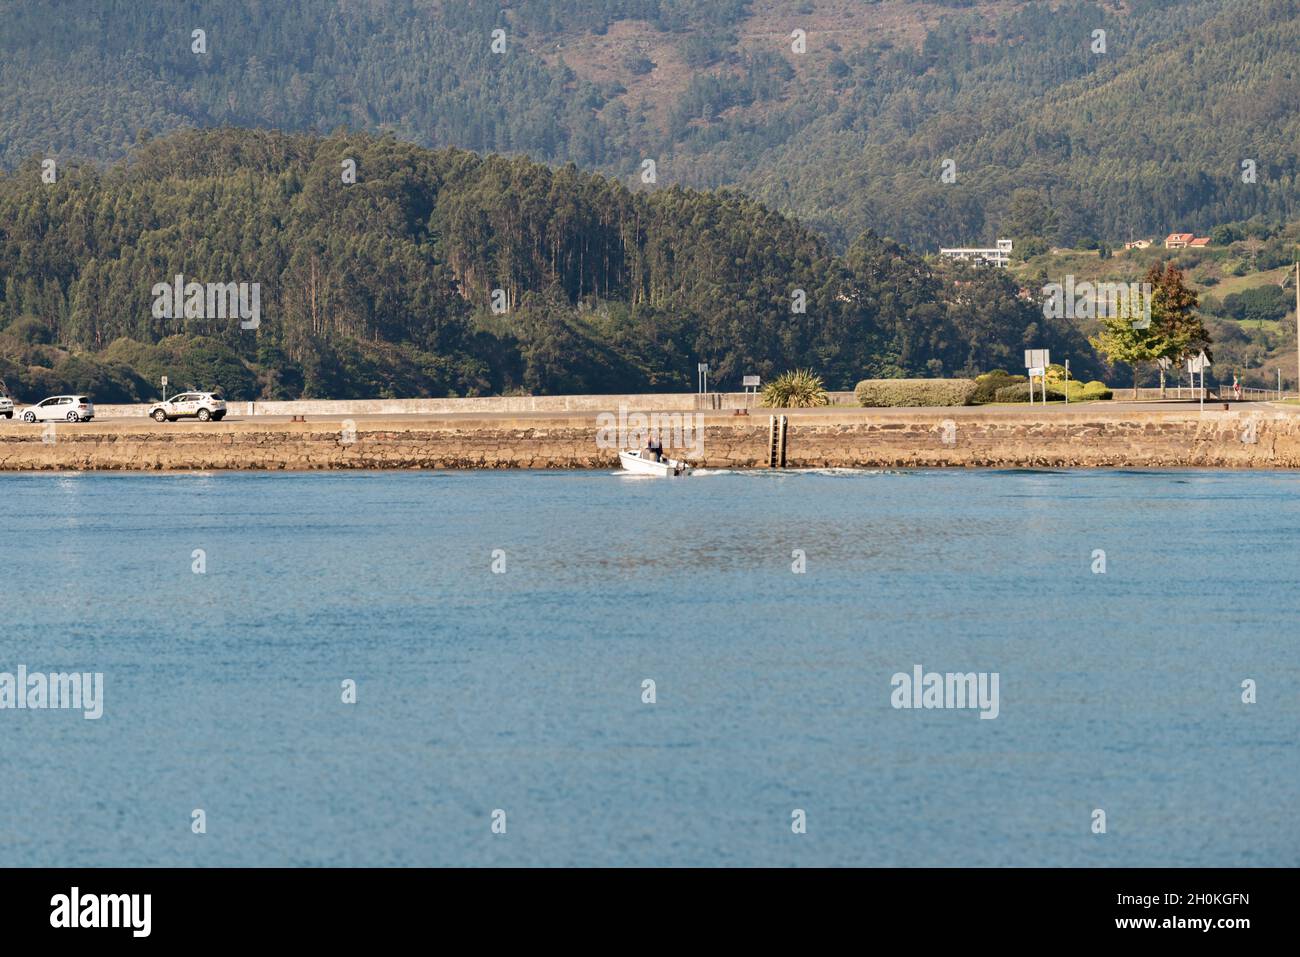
<point x="1164" y="362"/>
<point x="164" y="380"/>
<point x="749" y="382"/>
<point x="1199" y="364"/>
<point x="1038" y="370"/>
<point x="1037" y="358"/>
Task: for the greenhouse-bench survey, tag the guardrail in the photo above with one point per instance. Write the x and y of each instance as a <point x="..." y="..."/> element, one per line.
<point x="1251" y="394"/>
<point x="1220" y="393"/>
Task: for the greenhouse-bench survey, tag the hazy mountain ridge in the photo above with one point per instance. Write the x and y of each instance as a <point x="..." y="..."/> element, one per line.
<point x="849" y="135"/>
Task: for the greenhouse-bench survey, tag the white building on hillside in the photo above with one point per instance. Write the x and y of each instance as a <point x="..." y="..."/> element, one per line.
<point x="999" y="255"/>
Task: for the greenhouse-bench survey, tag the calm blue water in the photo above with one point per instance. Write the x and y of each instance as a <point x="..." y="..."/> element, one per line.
<point x="522" y="691"/>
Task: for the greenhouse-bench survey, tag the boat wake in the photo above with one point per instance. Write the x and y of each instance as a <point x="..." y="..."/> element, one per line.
<point x="833" y="472"/>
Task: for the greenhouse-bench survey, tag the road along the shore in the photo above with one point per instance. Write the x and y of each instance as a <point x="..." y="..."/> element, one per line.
<point x="1094" y="435"/>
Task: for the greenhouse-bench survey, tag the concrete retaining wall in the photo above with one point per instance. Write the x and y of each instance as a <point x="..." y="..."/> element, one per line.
<point x="665" y="402"/>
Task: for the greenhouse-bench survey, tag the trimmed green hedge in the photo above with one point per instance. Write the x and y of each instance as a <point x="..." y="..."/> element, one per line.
<point x="1020" y="393"/>
<point x="987" y="385"/>
<point x="909" y="393"/>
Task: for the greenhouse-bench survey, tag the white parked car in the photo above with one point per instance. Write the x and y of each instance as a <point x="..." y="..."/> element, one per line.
<point x="60" y="408"/>
<point x="6" y="407"/>
<point x="199" y="405"/>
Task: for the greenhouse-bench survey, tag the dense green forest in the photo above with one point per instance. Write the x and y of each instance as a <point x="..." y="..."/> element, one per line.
<point x="1147" y="135"/>
<point x="386" y="286"/>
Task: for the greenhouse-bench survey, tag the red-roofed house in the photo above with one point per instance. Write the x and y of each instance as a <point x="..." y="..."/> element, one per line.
<point x="1200" y="242"/>
<point x="1179" y="240"/>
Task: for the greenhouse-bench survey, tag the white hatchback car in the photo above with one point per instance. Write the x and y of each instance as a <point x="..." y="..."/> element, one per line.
<point x="59" y="408"/>
<point x="199" y="405"/>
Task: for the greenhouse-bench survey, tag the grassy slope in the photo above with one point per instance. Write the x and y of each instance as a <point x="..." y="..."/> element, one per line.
<point x="1272" y="345"/>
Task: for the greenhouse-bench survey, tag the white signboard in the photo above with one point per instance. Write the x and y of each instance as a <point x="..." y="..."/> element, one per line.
<point x="1038" y="370"/>
<point x="1199" y="364"/>
<point x="1037" y="358"/>
<point x="750" y="382"/>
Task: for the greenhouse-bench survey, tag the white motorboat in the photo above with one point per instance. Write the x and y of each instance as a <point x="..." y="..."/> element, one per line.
<point x="638" y="464"/>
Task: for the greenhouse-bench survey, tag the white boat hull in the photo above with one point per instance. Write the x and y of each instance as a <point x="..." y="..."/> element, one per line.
<point x="634" y="463"/>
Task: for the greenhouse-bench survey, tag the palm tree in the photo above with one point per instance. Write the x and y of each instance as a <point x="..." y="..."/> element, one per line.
<point x="799" y="389"/>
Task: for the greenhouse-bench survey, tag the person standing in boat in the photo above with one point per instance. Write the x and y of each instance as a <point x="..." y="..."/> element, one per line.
<point x="654" y="449"/>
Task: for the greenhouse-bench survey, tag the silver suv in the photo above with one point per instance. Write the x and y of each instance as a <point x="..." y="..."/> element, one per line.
<point x="203" y="406"/>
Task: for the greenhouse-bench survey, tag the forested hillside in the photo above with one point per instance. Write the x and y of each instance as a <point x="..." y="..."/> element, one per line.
<point x="1148" y="134"/>
<point x="385" y="286"/>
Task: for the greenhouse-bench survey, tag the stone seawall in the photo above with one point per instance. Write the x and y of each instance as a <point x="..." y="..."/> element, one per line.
<point x="997" y="438"/>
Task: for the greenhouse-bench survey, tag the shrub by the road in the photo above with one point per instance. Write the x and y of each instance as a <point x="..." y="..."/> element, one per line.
<point x="911" y="393"/>
<point x="1020" y="393"/>
<point x="1079" y="391"/>
<point x="987" y="385"/>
